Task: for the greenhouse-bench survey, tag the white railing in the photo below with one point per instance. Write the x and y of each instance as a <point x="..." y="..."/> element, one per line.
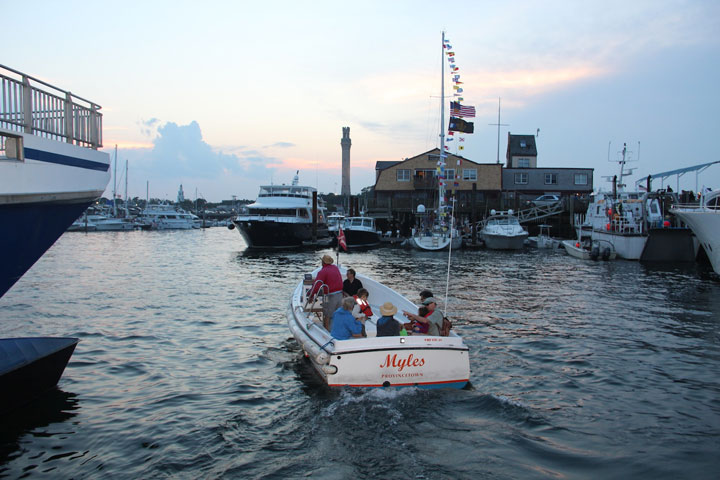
<point x="47" y="111"/>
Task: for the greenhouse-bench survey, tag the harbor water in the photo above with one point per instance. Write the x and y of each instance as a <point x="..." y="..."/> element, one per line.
<point x="186" y="367"/>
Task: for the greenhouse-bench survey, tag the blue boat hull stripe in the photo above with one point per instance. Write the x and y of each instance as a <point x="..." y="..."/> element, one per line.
<point x="50" y="157"/>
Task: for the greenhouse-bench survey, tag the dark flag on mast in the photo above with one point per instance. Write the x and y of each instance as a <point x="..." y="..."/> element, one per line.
<point x="460" y="125"/>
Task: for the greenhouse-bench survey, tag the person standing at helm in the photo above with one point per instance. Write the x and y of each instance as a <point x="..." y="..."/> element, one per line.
<point x="330" y="280"/>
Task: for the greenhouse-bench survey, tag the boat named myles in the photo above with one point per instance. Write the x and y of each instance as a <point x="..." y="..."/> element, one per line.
<point x="402" y="361"/>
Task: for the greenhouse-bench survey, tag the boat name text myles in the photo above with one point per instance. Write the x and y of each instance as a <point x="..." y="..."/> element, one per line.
<point x="410" y="361"/>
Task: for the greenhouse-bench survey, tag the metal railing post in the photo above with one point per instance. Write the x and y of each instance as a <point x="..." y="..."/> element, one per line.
<point x="27" y="104"/>
<point x="68" y="118"/>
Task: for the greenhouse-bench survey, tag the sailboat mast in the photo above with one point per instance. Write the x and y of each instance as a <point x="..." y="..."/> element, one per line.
<point x="126" y="182"/>
<point x="442" y="120"/>
<point x="115" y="184"/>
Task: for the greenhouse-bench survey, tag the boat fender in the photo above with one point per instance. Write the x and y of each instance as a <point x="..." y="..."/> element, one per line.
<point x="595" y="253"/>
<point x="329" y="369"/>
<point x="322" y="357"/>
<point x="606" y="253"/>
<point x="231" y="226"/>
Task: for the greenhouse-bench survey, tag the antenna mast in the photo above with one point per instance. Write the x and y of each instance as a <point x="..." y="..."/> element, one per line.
<point x="498" y="125"/>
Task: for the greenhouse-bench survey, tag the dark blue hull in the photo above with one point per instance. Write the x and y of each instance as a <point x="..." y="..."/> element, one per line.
<point x="360" y="239"/>
<point x="263" y="234"/>
<point x="30" y="367"/>
<point x="28" y="231"/>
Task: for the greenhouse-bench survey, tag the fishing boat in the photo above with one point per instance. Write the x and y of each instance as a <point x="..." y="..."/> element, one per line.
<point x="51" y="171"/>
<point x="636" y="224"/>
<point x="589" y="249"/>
<point x="30" y="367"/>
<point x="403" y="361"/>
<point x="543" y="240"/>
<point x="360" y="232"/>
<point x="704" y="220"/>
<point x="438" y="231"/>
<point x="284" y="216"/>
<point x="502" y="231"/>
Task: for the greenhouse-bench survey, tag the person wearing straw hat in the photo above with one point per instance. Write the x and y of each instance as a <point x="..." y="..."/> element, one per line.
<point x="387" y="326"/>
<point x="434" y="318"/>
<point x="330" y="280"/>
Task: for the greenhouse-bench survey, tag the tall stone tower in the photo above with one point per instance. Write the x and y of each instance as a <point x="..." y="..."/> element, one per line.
<point x="345" y="144"/>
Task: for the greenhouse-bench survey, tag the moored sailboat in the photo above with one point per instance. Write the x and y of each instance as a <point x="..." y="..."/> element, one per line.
<point x="441" y="234"/>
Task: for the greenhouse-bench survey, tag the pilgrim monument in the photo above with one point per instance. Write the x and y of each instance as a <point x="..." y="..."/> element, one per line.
<point x="345" y="143"/>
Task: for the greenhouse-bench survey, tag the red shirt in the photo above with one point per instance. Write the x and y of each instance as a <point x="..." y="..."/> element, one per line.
<point x="330" y="275"/>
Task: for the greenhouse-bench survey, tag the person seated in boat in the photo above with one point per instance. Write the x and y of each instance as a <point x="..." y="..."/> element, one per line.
<point x="425" y="294"/>
<point x="421" y="328"/>
<point x="351" y="285"/>
<point x="362" y="307"/>
<point x="387" y="326"/>
<point x="330" y="280"/>
<point x="344" y="325"/>
<point x="433" y="320"/>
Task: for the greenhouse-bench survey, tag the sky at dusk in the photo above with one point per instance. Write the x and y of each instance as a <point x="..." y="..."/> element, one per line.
<point x="223" y="97"/>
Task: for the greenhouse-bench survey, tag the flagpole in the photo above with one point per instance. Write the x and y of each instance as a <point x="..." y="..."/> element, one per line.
<point x="442" y="120"/>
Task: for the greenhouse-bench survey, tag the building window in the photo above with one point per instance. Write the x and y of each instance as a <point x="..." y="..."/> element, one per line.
<point x="469" y="174"/>
<point x="403" y="175"/>
<point x="523" y="163"/>
<point x="581" y="179"/>
<point x="449" y="174"/>
<point x="425" y="173"/>
<point x="521" y="179"/>
<point x="551" y="179"/>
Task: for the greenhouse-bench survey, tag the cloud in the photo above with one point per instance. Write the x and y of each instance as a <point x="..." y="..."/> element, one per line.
<point x="180" y="155"/>
<point x="280" y="145"/>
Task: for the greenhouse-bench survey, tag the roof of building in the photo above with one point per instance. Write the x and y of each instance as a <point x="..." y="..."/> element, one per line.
<point x="383" y="164"/>
<point x="521" y="145"/>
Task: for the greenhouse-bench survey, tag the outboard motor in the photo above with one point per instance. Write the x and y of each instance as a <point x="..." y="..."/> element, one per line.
<point x="595" y="252"/>
<point x="606" y="253"/>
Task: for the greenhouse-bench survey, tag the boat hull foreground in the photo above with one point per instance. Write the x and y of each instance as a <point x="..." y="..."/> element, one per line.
<point x="403" y="361"/>
<point x="271" y="234"/>
<point x="705" y="223"/>
<point x="30" y="367"/>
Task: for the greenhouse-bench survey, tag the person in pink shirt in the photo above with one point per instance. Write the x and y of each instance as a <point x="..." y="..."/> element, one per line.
<point x="330" y="280"/>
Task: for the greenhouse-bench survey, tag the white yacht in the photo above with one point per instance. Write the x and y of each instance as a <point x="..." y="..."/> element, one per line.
<point x="704" y="220"/>
<point x="282" y="217"/>
<point x="502" y="231"/>
<point x="167" y="217"/>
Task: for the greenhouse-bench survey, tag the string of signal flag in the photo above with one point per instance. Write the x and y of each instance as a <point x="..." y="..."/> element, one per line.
<point x="458" y="113"/>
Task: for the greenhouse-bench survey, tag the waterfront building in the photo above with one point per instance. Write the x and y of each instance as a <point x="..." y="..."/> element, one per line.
<point x="401" y="186"/>
<point x="524" y="180"/>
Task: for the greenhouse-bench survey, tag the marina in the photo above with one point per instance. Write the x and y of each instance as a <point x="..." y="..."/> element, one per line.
<point x="185" y="366"/>
<point x="423" y="324"/>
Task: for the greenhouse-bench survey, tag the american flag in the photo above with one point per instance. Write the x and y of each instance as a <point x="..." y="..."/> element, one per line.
<point x="341" y="239"/>
<point x="457" y="110"/>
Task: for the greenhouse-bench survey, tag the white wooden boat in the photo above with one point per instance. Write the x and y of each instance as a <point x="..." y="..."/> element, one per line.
<point x="587" y="250"/>
<point x="403" y="361"/>
<point x="543" y="239"/>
